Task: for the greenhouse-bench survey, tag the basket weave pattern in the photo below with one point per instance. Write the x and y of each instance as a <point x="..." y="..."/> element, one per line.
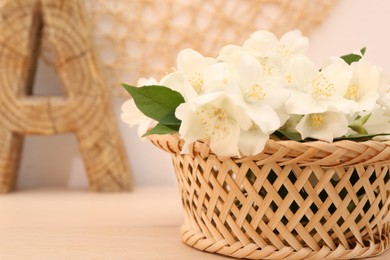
<point x="312" y="200"/>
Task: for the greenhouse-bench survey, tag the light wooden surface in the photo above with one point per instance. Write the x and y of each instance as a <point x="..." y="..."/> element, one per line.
<point x="72" y="224"/>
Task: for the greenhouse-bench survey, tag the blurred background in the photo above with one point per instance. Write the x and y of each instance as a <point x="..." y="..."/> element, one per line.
<point x="54" y="161"/>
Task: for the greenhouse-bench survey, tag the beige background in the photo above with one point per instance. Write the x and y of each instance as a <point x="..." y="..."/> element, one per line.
<point x="54" y="161"/>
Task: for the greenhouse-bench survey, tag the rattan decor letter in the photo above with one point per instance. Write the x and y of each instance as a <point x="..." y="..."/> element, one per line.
<point x="87" y="109"/>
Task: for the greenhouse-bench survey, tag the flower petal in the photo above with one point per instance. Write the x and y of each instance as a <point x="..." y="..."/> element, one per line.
<point x="189" y="60"/>
<point x="132" y="116"/>
<point x="177" y="81"/>
<point x="295" y="42"/>
<point x="261" y="44"/>
<point x="301" y="103"/>
<point x="378" y="122"/>
<point x="191" y="128"/>
<point x="228" y="52"/>
<point x="252" y="142"/>
<point x="226" y="145"/>
<point x="249" y="71"/>
<point x="264" y="117"/>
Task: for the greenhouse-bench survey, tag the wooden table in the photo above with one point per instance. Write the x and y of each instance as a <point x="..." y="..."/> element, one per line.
<point x="72" y="224"/>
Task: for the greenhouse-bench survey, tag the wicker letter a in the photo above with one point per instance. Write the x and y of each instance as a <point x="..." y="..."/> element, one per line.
<point x="87" y="109"/>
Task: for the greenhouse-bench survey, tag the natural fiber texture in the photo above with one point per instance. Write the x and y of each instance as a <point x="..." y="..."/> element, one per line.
<point x="87" y="110"/>
<point x="142" y="38"/>
<point x="310" y="200"/>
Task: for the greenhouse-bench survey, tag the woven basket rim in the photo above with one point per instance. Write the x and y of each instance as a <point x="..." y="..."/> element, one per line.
<point x="327" y="154"/>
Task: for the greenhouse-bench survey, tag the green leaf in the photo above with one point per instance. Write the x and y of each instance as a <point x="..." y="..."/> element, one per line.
<point x="157" y="102"/>
<point x="289" y="135"/>
<point x="161" y="129"/>
<point x="359" y="129"/>
<point x="350" y="58"/>
<point x="363" y="51"/>
<point x="364" y="119"/>
<point x="357" y="124"/>
<point x="361" y="137"/>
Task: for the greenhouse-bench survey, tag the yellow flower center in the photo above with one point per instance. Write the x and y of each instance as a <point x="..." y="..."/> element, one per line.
<point x="289" y="78"/>
<point x="322" y="87"/>
<point x="225" y="81"/>
<point x="219" y="113"/>
<point x="256" y="93"/>
<point x="316" y="120"/>
<point x="353" y="92"/>
<point x="215" y="120"/>
<point x="196" y="82"/>
<point x="284" y="50"/>
<point x="267" y="69"/>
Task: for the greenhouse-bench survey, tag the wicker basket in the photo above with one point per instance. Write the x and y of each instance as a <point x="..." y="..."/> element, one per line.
<point x="312" y="200"/>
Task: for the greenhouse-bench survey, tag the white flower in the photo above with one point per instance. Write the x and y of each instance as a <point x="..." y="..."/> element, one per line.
<point x="323" y="90"/>
<point x="216" y="117"/>
<point x="293" y="48"/>
<point x="230" y="53"/>
<point x="378" y="122"/>
<point x="293" y="43"/>
<point x="262" y="44"/>
<point x="298" y="70"/>
<point x="265" y="44"/>
<point x="276" y="57"/>
<point x="132" y="116"/>
<point x="195" y="74"/>
<point x="259" y="95"/>
<point x="384" y="91"/>
<point x="364" y="85"/>
<point x="323" y="126"/>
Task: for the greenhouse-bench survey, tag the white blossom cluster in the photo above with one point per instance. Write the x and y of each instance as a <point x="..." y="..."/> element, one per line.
<point x="239" y="99"/>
